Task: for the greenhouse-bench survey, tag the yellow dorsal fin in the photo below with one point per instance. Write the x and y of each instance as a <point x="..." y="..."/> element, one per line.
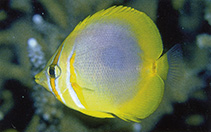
<point x="120" y="10"/>
<point x="138" y="24"/>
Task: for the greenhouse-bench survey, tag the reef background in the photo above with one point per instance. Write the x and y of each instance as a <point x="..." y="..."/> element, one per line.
<point x="25" y="106"/>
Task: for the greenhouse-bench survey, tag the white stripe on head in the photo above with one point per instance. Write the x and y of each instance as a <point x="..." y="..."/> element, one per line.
<point x="70" y="88"/>
<point x="48" y="77"/>
<point x="58" y="90"/>
<point x="57" y="79"/>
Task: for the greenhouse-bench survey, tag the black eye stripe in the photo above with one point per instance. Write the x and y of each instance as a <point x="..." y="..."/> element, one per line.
<point x="52" y="71"/>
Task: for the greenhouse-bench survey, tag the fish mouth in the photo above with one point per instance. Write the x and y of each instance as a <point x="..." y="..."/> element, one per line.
<point x="36" y="79"/>
<point x="41" y="79"/>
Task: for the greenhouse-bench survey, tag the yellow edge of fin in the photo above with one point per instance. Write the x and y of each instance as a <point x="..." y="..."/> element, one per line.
<point x="145" y="102"/>
<point x="98" y="114"/>
<point x="147" y="37"/>
<point x="71" y="104"/>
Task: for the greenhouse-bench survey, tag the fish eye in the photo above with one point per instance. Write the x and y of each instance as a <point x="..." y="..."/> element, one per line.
<point x="54" y="71"/>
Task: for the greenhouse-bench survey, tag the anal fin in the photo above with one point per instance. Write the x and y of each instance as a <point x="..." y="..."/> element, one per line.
<point x="145" y="102"/>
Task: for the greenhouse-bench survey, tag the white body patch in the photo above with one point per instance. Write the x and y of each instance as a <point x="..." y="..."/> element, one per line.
<point x="59" y="92"/>
<point x="70" y="88"/>
<point x="75" y="97"/>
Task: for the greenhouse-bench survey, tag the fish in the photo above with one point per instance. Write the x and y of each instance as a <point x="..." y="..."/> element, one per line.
<point x="111" y="65"/>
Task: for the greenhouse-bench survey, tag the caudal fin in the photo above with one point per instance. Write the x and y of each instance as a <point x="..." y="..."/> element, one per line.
<point x="176" y="66"/>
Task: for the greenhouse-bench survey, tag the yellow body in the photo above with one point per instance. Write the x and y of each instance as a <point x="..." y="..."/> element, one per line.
<point x="109" y="65"/>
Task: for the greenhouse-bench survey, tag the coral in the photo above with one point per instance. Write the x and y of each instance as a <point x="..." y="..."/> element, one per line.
<point x="57" y="12"/>
<point x="178" y="4"/>
<point x="7" y="105"/>
<point x="191" y="15"/>
<point x="203" y="41"/>
<point x="149" y="7"/>
<point x="3" y="15"/>
<point x="21" y="5"/>
<point x="195" y="120"/>
<point x="47" y="107"/>
<point x="207" y="15"/>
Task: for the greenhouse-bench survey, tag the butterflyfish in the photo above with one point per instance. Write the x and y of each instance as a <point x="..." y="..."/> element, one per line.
<point x="111" y="65"/>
